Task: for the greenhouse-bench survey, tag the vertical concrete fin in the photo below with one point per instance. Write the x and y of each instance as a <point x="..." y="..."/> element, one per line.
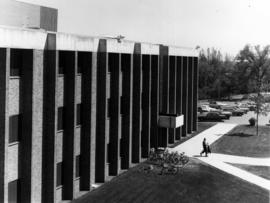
<point x="172" y="94"/>
<point x="50" y="122"/>
<point x="114" y="113"/>
<point x="101" y="116"/>
<point x="154" y="100"/>
<point x="4" y="121"/>
<point x="190" y="95"/>
<point x="136" y="109"/>
<point x="26" y="104"/>
<point x="179" y="79"/>
<point x="195" y="92"/>
<point x="93" y="118"/>
<point x="163" y="92"/>
<point x="86" y="111"/>
<point x="185" y="95"/>
<point x="146" y="100"/>
<point x="31" y="138"/>
<point x="126" y="110"/>
<point x="69" y="124"/>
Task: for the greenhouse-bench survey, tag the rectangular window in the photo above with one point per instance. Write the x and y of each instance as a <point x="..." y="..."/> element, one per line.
<point x="80" y="62"/>
<point x="59" y="178"/>
<point x="79" y="69"/>
<point x="14" y="128"/>
<point x="79" y="115"/>
<point x="16" y="62"/>
<point x="62" y="62"/>
<point x="78" y="164"/>
<point x="14" y="191"/>
<point x="61" y="118"/>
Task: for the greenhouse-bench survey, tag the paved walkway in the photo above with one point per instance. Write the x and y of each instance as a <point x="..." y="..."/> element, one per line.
<point x="241" y="159"/>
<point x="245" y="175"/>
<point x="193" y="147"/>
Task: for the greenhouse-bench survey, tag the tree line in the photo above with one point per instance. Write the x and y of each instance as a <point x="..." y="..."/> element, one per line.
<point x="221" y="76"/>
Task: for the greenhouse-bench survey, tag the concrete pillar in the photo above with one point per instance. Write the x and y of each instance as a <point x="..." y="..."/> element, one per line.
<point x="163" y="92"/>
<point x="4" y="121"/>
<point x="190" y="95"/>
<point x="146" y="100"/>
<point x="154" y="101"/>
<point x="136" y="106"/>
<point x="93" y="119"/>
<point x="87" y="125"/>
<point x="179" y="81"/>
<point x="185" y="95"/>
<point x="126" y="110"/>
<point x="114" y="114"/>
<point x="195" y="92"/>
<point x="102" y="124"/>
<point x="69" y="120"/>
<point x="50" y="121"/>
<point x="31" y="101"/>
<point x="172" y="94"/>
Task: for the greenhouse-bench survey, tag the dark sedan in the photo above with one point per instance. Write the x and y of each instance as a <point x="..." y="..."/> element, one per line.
<point x="211" y="116"/>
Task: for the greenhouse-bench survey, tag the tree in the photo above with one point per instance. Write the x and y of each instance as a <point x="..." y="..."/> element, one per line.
<point x="255" y="64"/>
<point x="215" y="74"/>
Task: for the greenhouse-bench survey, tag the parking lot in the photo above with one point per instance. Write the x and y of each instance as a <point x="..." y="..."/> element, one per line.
<point x="263" y="120"/>
<point x="244" y="119"/>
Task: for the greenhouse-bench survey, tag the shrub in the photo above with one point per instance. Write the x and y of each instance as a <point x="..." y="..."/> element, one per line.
<point x="252" y="121"/>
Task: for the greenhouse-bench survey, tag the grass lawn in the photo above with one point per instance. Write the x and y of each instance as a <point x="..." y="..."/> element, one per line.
<point x="197" y="182"/>
<point x="242" y="141"/>
<point x="262" y="171"/>
<point x="201" y="127"/>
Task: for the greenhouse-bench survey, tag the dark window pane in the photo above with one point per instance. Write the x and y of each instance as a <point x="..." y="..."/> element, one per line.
<point x="16" y="62"/>
<point x="80" y="62"/>
<point x="62" y="62"/>
<point x="77" y="172"/>
<point x="79" y="116"/>
<point x="14" y="191"/>
<point x="60" y="119"/>
<point x="14" y="128"/>
<point x="79" y="69"/>
<point x="59" y="174"/>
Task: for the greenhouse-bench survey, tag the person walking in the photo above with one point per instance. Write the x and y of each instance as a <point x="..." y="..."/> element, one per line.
<point x="208" y="148"/>
<point x="205" y="150"/>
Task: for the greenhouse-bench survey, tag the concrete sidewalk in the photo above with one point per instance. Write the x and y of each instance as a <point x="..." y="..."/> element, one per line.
<point x="193" y="147"/>
<point x="241" y="159"/>
<point x="245" y="175"/>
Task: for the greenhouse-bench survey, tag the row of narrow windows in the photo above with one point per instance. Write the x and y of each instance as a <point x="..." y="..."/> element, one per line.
<point x="60" y="168"/>
<point x="61" y="117"/>
<point x="14" y="187"/>
<point x="18" y="59"/>
<point x="15" y="123"/>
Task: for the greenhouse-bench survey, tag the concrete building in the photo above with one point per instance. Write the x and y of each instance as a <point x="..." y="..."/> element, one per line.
<point x="75" y="110"/>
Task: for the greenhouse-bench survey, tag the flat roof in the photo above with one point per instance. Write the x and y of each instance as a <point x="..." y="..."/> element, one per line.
<point x="14" y="37"/>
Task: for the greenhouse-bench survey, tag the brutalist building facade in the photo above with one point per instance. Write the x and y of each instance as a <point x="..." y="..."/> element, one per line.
<point x="75" y="110"/>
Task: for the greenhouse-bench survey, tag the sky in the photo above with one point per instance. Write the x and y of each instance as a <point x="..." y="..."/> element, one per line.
<point x="227" y="25"/>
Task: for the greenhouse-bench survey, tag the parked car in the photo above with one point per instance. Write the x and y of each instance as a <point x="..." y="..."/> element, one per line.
<point x="205" y="108"/>
<point x="211" y="116"/>
<point x="216" y="105"/>
<point x="227" y="114"/>
<point x="233" y="110"/>
<point x="243" y="107"/>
